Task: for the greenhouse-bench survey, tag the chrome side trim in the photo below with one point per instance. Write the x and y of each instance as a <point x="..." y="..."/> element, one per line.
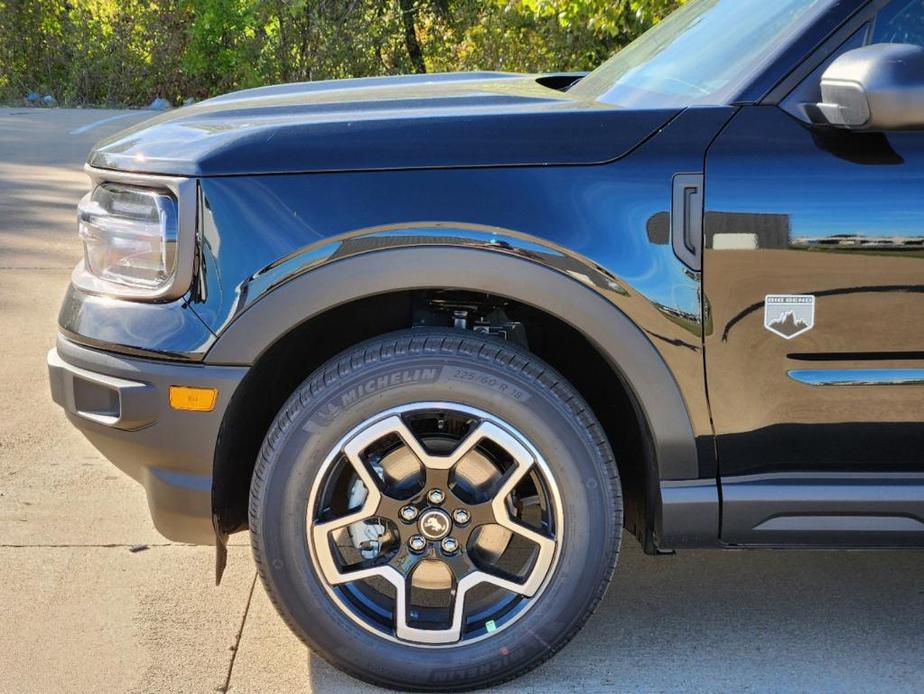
<point x="858" y="377"/>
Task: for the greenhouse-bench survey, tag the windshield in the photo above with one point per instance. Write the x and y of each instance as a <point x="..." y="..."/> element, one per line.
<point x="700" y="54"/>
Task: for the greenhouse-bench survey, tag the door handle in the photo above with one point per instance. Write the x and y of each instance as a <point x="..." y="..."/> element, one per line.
<point x="687" y="219"/>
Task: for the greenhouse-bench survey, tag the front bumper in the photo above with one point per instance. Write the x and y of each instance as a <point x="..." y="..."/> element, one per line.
<point x="121" y="405"/>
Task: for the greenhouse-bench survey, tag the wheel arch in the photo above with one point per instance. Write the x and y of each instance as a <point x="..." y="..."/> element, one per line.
<point x="572" y="298"/>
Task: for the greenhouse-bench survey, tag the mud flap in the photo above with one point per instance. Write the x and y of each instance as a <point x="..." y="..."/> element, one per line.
<point x="221" y="551"/>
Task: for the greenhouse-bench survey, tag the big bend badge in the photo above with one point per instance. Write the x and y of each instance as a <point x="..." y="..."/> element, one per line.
<point x="789" y="315"/>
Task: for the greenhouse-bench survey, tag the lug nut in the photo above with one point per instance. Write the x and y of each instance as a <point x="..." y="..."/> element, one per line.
<point x="436" y="496"/>
<point x="417" y="543"/>
<point x="408" y="513"/>
<point x="461" y="516"/>
<point x="449" y="545"/>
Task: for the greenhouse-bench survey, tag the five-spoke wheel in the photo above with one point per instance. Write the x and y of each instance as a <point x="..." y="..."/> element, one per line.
<point x="435" y="510"/>
<point x="446" y="490"/>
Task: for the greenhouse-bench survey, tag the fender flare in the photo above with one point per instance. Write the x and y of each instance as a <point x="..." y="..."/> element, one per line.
<point x="624" y="345"/>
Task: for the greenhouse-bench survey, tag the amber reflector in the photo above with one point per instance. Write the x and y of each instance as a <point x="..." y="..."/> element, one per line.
<point x="193" y="399"/>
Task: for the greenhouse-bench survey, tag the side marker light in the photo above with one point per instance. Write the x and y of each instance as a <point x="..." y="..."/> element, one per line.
<point x="193" y="399"/>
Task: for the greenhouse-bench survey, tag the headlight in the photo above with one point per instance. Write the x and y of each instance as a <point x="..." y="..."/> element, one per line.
<point x="129" y="235"/>
<point x="139" y="236"/>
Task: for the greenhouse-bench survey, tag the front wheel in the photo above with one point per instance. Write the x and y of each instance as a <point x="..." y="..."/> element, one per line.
<point x="435" y="510"/>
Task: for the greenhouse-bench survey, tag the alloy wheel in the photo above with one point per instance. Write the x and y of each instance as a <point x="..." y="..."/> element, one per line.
<point x="434" y="524"/>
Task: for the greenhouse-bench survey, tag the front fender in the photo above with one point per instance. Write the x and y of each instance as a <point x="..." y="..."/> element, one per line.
<point x="574" y="297"/>
<point x="685" y="508"/>
<point x="581" y="243"/>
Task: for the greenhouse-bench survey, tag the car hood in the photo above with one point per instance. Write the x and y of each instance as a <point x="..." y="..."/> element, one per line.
<point x="450" y="120"/>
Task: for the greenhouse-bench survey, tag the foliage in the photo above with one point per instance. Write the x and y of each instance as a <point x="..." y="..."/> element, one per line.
<point x="131" y="51"/>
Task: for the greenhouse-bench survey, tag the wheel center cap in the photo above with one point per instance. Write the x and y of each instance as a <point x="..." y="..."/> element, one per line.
<point x="434" y="524"/>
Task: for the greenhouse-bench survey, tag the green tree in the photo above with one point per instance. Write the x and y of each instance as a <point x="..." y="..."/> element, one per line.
<point x="131" y="51"/>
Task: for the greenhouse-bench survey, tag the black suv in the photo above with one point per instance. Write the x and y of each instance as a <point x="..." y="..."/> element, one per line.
<point x="436" y="340"/>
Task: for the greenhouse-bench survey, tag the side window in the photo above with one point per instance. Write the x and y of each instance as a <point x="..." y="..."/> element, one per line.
<point x="901" y="21"/>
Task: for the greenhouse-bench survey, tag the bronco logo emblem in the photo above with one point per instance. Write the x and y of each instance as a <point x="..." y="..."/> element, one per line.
<point x="434" y="524"/>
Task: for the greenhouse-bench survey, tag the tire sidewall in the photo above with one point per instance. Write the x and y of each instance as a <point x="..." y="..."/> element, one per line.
<point x="330" y="405"/>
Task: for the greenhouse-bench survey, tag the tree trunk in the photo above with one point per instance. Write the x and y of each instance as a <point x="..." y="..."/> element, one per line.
<point x="409" y="16"/>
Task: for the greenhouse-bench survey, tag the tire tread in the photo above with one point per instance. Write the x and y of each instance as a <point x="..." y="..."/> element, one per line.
<point x="449" y="343"/>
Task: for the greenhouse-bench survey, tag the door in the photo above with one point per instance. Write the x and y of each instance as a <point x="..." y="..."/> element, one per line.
<point x="814" y="292"/>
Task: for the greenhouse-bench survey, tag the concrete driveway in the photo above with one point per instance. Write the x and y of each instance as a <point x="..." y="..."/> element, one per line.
<point x="80" y="611"/>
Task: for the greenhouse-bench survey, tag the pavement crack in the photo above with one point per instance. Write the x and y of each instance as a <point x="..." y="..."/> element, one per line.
<point x="237" y="639"/>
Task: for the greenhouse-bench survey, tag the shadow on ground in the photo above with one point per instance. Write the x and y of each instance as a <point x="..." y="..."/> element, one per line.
<point x="739" y="621"/>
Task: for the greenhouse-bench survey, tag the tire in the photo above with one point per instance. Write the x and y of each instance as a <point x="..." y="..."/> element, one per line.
<point x="522" y="426"/>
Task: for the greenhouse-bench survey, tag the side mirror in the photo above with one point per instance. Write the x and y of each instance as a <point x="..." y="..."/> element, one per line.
<point x="878" y="87"/>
